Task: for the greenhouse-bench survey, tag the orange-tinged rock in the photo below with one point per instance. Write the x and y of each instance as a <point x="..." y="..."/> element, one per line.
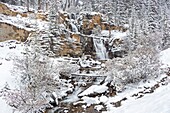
<point x="41" y="16"/>
<point x="10" y="32"/>
<point x="96" y="19"/>
<point x="5" y="10"/>
<point x="76" y="36"/>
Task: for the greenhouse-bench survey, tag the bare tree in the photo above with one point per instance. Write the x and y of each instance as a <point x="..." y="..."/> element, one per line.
<point x="28" y="4"/>
<point x="141" y="63"/>
<point x="39" y="4"/>
<point x="35" y="83"/>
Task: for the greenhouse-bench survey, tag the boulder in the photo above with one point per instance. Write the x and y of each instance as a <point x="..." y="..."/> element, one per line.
<point x="11" y="32"/>
<point x="5" y="10"/>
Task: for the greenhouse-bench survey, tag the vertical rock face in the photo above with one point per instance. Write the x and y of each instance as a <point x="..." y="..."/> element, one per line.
<point x="74" y="41"/>
<point x="10" y="32"/>
<point x="88" y="47"/>
<point x="71" y="46"/>
<point x="57" y="44"/>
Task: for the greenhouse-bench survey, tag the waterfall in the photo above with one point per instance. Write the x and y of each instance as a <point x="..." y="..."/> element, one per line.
<point x="100" y="48"/>
<point x="74" y="27"/>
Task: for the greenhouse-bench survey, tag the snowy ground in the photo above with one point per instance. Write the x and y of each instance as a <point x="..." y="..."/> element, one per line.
<point x="6" y="61"/>
<point x="157" y="102"/>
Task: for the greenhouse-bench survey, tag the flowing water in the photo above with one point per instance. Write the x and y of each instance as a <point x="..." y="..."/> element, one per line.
<point x="74" y="27"/>
<point x="100" y="48"/>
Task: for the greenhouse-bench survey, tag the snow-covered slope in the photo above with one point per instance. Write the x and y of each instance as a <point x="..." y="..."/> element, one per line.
<point x="165" y="57"/>
<point x="157" y="102"/>
<point x="6" y="65"/>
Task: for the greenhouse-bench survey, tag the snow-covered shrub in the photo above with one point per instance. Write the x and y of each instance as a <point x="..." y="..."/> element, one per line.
<point x="68" y="68"/>
<point x="35" y="76"/>
<point x="38" y="80"/>
<point x="25" y="100"/>
<point x="140" y="64"/>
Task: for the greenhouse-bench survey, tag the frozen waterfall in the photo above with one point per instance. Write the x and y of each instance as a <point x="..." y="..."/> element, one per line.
<point x="100" y="48"/>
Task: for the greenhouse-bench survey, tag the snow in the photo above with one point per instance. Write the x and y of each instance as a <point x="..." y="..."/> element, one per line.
<point x="158" y="102"/>
<point x="23" y="22"/>
<point x="104" y="99"/>
<point x="56" y="97"/>
<point x="80" y="2"/>
<point x="88" y="75"/>
<point x="126" y="25"/>
<point x="6" y="58"/>
<point x="98" y="107"/>
<point x="89" y="100"/>
<point x="15" y="8"/>
<point x="94" y="89"/>
<point x="91" y="13"/>
<point x="114" y="34"/>
<point x="165" y="57"/>
<point x="73" y="97"/>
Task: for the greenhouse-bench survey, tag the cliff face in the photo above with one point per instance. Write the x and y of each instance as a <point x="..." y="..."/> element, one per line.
<point x="11" y="32"/>
<point x="16" y="22"/>
<point x="75" y="37"/>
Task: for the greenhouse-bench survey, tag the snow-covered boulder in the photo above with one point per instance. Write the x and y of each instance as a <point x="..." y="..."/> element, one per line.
<point x="94" y="90"/>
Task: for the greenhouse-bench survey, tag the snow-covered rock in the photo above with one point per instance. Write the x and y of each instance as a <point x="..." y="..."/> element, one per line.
<point x="94" y="89"/>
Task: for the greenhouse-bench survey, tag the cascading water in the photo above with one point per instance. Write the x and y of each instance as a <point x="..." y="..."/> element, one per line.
<point x="100" y="48"/>
<point x="74" y="27"/>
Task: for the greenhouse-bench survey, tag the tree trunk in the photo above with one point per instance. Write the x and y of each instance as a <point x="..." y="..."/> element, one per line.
<point x="28" y="5"/>
<point x="39" y="4"/>
<point x="46" y="5"/>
